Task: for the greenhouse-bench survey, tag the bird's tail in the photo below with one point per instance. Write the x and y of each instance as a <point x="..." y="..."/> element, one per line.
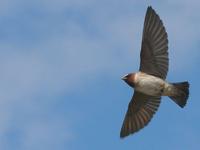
<point x="181" y="93"/>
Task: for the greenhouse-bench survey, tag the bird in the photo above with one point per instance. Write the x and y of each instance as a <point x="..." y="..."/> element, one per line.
<point x="149" y="83"/>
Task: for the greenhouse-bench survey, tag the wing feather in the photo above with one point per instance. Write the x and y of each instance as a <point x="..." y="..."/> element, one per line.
<point x="154" y="51"/>
<point x="140" y="111"/>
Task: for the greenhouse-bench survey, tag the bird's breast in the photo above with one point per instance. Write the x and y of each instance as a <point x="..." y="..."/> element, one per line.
<point x="149" y="84"/>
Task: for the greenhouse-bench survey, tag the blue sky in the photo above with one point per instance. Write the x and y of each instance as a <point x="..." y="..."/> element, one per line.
<point x="61" y="64"/>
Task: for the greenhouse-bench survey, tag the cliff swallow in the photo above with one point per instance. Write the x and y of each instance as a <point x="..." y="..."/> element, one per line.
<point x="149" y="83"/>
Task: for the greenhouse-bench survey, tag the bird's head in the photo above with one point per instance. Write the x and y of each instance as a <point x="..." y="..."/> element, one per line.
<point x="129" y="79"/>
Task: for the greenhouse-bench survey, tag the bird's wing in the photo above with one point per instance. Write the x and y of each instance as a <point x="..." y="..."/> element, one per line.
<point x="140" y="111"/>
<point x="154" y="50"/>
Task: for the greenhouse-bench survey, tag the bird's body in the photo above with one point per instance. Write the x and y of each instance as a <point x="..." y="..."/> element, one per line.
<point x="149" y="83"/>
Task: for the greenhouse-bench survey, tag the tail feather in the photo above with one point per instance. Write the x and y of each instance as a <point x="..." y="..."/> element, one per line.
<point x="181" y="93"/>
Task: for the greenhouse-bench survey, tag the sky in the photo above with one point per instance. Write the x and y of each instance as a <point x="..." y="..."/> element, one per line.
<point x="61" y="65"/>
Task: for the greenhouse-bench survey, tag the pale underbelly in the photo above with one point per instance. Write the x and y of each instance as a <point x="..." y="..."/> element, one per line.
<point x="153" y="88"/>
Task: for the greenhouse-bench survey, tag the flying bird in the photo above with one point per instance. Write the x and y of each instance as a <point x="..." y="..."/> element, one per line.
<point x="149" y="82"/>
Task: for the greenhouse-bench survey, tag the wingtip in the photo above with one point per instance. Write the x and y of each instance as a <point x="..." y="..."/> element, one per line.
<point x="122" y="136"/>
<point x="123" y="133"/>
<point x="149" y="7"/>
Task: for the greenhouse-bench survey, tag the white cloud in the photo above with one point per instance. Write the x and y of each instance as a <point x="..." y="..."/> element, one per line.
<point x="46" y="134"/>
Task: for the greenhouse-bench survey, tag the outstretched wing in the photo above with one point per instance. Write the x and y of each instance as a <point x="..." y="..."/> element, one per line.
<point x="140" y="111"/>
<point x="154" y="50"/>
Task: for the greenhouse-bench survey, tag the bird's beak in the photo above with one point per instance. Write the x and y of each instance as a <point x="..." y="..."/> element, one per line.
<point x="124" y="78"/>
